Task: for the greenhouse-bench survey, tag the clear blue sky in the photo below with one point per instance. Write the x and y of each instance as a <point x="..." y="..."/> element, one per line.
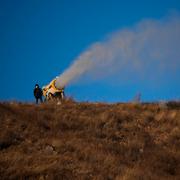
<point x="40" y="38"/>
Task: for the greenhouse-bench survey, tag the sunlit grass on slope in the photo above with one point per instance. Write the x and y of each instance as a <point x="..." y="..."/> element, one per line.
<point x="89" y="141"/>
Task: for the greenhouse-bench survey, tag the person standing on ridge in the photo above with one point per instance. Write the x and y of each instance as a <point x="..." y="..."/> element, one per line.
<point x="38" y="93"/>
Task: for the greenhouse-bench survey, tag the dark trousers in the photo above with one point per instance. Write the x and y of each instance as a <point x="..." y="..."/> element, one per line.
<point x="40" y="98"/>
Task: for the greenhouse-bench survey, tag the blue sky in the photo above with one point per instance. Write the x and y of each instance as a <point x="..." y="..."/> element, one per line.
<point x="40" y="38"/>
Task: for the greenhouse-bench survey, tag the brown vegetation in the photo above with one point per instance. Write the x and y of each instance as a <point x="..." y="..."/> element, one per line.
<point x="89" y="141"/>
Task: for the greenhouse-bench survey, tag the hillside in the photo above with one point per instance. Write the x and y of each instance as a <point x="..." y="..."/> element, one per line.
<point x="89" y="141"/>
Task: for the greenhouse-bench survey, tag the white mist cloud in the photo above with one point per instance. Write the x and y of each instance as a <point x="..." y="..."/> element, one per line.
<point x="150" y="46"/>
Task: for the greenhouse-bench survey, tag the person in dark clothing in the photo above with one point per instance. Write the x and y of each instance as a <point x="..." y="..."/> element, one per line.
<point x="38" y="93"/>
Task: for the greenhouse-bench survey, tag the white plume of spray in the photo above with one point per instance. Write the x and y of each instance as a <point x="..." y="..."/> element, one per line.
<point x="148" y="43"/>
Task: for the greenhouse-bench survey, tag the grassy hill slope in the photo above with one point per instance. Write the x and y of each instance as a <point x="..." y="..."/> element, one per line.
<point x="89" y="141"/>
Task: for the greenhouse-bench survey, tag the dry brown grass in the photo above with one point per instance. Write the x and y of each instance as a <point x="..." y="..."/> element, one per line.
<point x="89" y="141"/>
